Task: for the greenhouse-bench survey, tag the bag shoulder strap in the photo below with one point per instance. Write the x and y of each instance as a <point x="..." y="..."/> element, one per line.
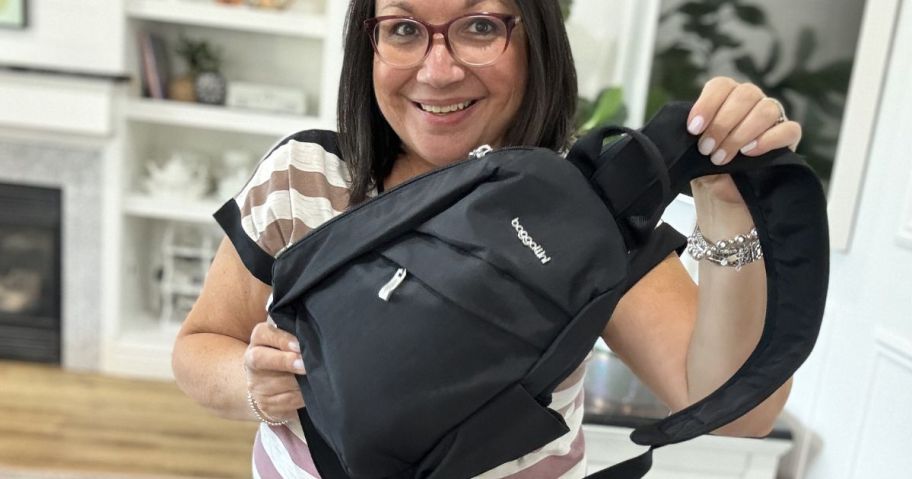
<point x="788" y="206"/>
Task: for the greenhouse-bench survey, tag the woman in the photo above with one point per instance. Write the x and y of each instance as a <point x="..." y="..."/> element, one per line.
<point x="424" y="83"/>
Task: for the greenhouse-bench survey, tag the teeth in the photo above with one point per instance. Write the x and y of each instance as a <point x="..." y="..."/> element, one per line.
<point x="445" y="109"/>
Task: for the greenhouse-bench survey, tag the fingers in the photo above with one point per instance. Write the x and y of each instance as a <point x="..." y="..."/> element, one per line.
<point x="734" y="117"/>
<point x="736" y="108"/>
<point x="265" y="359"/>
<point x="711" y="99"/>
<point x="787" y="134"/>
<point x="272" y="349"/>
<point x="266" y="334"/>
<point x="761" y="118"/>
<point x="278" y="403"/>
<point x="272" y="359"/>
<point x="281" y="403"/>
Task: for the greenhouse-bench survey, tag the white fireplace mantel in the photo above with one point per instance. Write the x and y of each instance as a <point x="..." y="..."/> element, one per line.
<point x="55" y="103"/>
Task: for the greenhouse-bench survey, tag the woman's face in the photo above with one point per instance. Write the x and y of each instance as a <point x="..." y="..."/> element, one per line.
<point x="494" y="92"/>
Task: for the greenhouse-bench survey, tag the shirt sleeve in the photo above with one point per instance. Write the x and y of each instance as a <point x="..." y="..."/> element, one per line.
<point x="298" y="185"/>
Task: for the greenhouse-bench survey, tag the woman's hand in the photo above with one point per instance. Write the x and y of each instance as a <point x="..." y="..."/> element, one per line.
<point x="272" y="360"/>
<point x="732" y="117"/>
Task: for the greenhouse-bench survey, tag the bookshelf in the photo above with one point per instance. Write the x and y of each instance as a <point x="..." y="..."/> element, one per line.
<point x="296" y="48"/>
<point x="195" y="115"/>
<point x="301" y="19"/>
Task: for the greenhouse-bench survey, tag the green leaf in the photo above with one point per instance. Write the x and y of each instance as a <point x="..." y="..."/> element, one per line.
<point x="696" y="9"/>
<point x="654" y="101"/>
<point x="565" y="7"/>
<point x="807" y="44"/>
<point x="699" y="28"/>
<point x="724" y="40"/>
<point x="837" y="74"/>
<point x="746" y="65"/>
<point x="751" y="14"/>
<point x="609" y="103"/>
<point x="818" y="84"/>
<point x="775" y="55"/>
<point x="584" y="109"/>
<point x="676" y="72"/>
<point x="717" y="4"/>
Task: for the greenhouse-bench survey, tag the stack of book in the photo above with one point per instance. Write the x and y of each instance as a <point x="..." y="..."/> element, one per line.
<point x="155" y="65"/>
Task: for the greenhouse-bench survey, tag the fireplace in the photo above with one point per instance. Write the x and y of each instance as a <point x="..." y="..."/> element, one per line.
<point x="76" y="169"/>
<point x="30" y="273"/>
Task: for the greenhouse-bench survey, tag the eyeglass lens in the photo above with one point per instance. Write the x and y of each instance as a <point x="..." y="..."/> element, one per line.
<point x="475" y="40"/>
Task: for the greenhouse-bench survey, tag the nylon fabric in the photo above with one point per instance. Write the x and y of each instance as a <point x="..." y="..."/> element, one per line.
<point x="501" y="273"/>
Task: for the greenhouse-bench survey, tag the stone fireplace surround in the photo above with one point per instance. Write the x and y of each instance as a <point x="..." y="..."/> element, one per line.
<point x="77" y="171"/>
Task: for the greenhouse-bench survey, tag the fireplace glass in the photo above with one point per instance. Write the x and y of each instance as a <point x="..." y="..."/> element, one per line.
<point x="30" y="289"/>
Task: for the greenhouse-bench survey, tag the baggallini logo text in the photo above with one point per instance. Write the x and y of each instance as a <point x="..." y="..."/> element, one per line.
<point x="527" y="240"/>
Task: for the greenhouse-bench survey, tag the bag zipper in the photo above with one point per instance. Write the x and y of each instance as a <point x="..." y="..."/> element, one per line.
<point x="480" y="152"/>
<point x="392" y="284"/>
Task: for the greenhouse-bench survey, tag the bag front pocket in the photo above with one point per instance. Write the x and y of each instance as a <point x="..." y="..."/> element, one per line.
<point x="480" y="288"/>
<point x="380" y="372"/>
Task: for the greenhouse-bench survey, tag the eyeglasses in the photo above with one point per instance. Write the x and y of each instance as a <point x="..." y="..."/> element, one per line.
<point x="475" y="40"/>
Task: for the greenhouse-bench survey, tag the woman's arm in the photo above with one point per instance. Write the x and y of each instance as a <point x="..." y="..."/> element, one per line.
<point x="730" y="317"/>
<point x="685" y="342"/>
<point x="209" y="354"/>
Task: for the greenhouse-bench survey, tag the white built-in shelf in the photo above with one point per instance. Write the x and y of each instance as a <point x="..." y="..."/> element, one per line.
<point x="141" y="351"/>
<point x="183" y="290"/>
<point x="149" y="330"/>
<point x="197" y="115"/>
<point x="144" y="206"/>
<point x="295" y="22"/>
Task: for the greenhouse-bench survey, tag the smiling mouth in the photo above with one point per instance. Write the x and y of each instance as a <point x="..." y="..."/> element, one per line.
<point x="442" y="110"/>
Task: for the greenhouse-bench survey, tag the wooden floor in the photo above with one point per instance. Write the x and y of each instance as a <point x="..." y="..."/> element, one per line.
<point x="98" y="426"/>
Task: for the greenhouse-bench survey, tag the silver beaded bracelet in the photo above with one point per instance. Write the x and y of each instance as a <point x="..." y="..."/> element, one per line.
<point x="262" y="416"/>
<point x="736" y="252"/>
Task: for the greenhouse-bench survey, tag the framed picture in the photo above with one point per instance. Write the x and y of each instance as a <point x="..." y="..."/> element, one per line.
<point x="13" y="13"/>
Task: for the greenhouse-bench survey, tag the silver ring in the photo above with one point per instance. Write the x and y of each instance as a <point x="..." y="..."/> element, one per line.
<point x="782" y="117"/>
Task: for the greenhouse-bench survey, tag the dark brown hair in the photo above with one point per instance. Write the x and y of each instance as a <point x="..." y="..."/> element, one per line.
<point x="545" y="118"/>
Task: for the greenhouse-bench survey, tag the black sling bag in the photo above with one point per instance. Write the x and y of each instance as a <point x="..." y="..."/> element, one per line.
<point x="436" y="319"/>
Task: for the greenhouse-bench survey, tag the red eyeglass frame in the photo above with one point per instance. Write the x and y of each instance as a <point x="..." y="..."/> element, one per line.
<point x="511" y="21"/>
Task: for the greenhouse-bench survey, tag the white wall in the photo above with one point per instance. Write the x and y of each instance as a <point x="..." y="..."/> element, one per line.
<point x="593" y="32"/>
<point x="853" y="395"/>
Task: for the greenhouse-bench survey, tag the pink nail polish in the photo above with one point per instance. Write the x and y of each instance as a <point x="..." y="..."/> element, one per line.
<point x="750" y="146"/>
<point x="695" y="125"/>
<point x="707" y="145"/>
<point x="718" y="157"/>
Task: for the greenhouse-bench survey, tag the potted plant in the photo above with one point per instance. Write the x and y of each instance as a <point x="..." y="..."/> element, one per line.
<point x="204" y="62"/>
<point x="681" y="68"/>
<point x="606" y="108"/>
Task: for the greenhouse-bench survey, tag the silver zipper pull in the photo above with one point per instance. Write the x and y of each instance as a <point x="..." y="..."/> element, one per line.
<point x="481" y="151"/>
<point x="391" y="286"/>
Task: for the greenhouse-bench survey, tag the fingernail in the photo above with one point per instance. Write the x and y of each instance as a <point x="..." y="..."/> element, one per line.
<point x="299" y="364"/>
<point x="294" y="346"/>
<point x="719" y="156"/>
<point x="695" y="125"/>
<point x="748" y="147"/>
<point x="707" y="145"/>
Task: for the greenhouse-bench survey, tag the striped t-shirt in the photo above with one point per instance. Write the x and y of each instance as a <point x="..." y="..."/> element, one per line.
<point x="301" y="183"/>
